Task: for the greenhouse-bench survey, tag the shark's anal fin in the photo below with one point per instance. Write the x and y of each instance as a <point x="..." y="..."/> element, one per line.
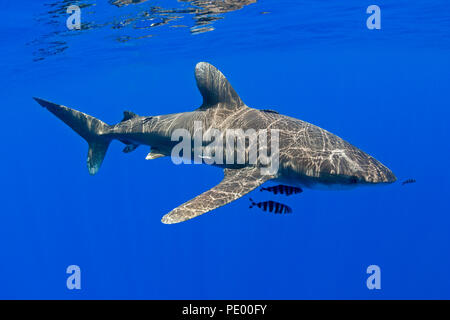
<point x="154" y="154"/>
<point x="235" y="184"/>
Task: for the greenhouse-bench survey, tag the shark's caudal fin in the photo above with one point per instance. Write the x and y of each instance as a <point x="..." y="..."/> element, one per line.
<point x="88" y="127"/>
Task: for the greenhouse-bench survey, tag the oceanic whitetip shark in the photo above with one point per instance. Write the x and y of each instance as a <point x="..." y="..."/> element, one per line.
<point x="308" y="155"/>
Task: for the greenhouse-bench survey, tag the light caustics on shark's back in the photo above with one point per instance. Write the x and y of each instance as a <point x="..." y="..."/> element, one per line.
<point x="308" y="155"/>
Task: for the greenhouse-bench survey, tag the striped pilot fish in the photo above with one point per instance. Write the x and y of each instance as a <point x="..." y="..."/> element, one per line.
<point x="271" y="206"/>
<point x="283" y="189"/>
<point x="408" y="181"/>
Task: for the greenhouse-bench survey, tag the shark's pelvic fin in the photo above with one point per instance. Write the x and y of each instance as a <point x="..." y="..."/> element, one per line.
<point x="88" y="127"/>
<point x="154" y="154"/>
<point x="215" y="88"/>
<point x="130" y="147"/>
<point x="235" y="184"/>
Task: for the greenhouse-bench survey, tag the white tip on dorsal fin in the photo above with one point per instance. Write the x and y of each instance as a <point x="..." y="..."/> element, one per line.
<point x="214" y="87"/>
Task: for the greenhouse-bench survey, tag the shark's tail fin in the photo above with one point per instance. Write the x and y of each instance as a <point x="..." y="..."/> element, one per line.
<point x="88" y="127"/>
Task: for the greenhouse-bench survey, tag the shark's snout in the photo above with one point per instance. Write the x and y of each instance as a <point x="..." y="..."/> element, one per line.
<point x="352" y="166"/>
<point x="374" y="172"/>
<point x="384" y="176"/>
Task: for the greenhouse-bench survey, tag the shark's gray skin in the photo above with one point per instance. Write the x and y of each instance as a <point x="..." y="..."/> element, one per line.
<point x="308" y="155"/>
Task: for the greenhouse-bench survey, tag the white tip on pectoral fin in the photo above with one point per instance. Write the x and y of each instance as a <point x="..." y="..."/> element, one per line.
<point x="154" y="154"/>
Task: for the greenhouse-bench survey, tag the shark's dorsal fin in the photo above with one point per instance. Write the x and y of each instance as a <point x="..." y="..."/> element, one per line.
<point x="215" y="88"/>
<point x="127" y="115"/>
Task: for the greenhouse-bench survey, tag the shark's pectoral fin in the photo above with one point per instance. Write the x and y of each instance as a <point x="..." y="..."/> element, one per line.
<point x="235" y="184"/>
<point x="215" y="88"/>
<point x="154" y="154"/>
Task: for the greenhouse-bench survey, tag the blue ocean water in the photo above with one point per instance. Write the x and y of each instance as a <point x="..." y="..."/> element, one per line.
<point x="385" y="91"/>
